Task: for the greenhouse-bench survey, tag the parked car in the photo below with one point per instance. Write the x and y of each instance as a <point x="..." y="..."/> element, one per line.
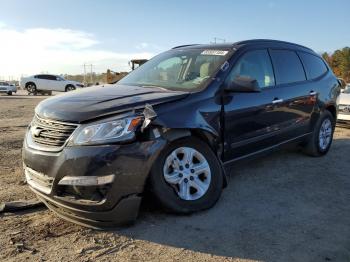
<point x="344" y="106"/>
<point x="7" y="88"/>
<point x="47" y="83"/>
<point x="175" y="126"/>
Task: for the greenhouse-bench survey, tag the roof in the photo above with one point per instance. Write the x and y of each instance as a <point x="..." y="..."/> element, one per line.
<point x="274" y="43"/>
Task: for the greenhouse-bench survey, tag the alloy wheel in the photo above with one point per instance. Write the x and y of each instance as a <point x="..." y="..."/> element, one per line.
<point x="188" y="172"/>
<point x="325" y="134"/>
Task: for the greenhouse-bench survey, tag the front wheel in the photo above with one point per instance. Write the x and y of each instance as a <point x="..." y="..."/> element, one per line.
<point x="70" y="88"/>
<point x="9" y="93"/>
<point x="186" y="177"/>
<point x="322" y="135"/>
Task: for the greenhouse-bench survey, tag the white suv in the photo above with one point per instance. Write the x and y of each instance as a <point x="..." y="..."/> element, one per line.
<point x="7" y="88"/>
<point x="47" y="83"/>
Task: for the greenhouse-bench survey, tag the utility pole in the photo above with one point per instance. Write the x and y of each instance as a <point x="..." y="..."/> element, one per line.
<point x="87" y="65"/>
<point x="91" y="73"/>
<point x="84" y="73"/>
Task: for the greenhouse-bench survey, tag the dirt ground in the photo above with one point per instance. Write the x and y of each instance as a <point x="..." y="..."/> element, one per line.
<point x="282" y="207"/>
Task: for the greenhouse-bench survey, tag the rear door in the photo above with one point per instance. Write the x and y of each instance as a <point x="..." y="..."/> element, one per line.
<point x="296" y="95"/>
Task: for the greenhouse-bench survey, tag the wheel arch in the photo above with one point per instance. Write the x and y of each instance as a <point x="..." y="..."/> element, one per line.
<point x="332" y="109"/>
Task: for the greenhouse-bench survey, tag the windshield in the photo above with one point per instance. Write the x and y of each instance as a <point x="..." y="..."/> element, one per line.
<point x="187" y="69"/>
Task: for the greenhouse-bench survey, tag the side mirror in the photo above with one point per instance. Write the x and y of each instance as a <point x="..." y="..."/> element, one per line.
<point x="243" y="84"/>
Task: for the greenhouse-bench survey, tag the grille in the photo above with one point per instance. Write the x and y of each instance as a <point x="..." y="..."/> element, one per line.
<point x="38" y="180"/>
<point x="344" y="109"/>
<point x="50" y="133"/>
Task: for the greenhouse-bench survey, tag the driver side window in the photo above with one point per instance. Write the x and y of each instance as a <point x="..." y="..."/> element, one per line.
<point x="169" y="69"/>
<point x="256" y="65"/>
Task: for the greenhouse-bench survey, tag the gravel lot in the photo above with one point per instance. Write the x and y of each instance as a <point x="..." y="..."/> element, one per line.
<point x="283" y="207"/>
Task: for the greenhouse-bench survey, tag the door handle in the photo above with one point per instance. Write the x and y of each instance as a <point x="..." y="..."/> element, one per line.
<point x="277" y="101"/>
<point x="313" y="93"/>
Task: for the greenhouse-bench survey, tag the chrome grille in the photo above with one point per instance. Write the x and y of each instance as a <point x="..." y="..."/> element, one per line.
<point x="50" y="133"/>
<point x="344" y="109"/>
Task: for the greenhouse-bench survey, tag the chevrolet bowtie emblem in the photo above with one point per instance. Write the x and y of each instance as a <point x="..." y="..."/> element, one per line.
<point x="35" y="130"/>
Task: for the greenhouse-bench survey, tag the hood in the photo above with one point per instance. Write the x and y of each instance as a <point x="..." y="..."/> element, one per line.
<point x="93" y="102"/>
<point x="344" y="99"/>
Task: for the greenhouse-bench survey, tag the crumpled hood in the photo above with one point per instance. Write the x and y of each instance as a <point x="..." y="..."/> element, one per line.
<point x="89" y="103"/>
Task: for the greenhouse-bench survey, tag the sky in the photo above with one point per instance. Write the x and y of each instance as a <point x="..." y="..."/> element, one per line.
<point x="59" y="36"/>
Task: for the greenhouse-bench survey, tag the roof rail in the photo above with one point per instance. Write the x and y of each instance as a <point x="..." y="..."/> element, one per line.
<point x="269" y="40"/>
<point x="183" y="46"/>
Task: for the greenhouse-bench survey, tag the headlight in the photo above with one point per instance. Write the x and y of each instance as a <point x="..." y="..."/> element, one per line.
<point x="111" y="131"/>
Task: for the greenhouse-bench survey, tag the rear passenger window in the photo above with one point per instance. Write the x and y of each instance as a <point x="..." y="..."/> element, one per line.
<point x="314" y="66"/>
<point x="256" y="65"/>
<point x="287" y="65"/>
<point x="51" y="77"/>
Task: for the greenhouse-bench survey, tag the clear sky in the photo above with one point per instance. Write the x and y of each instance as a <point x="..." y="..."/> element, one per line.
<point x="59" y="36"/>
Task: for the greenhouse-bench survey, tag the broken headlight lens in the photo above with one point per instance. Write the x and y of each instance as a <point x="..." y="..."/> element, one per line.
<point x="111" y="131"/>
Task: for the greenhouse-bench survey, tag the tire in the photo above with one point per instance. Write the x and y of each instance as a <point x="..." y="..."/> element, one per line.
<point x="168" y="195"/>
<point x="31" y="88"/>
<point x="314" y="146"/>
<point x="9" y="93"/>
<point x="70" y="88"/>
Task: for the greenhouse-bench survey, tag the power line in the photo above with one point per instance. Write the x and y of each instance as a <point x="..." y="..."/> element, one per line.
<point x="216" y="39"/>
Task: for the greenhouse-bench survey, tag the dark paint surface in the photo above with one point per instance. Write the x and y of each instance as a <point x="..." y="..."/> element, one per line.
<point x="93" y="102"/>
<point x="234" y="124"/>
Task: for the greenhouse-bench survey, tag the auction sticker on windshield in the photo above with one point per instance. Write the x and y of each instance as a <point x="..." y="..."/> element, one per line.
<point x="214" y="52"/>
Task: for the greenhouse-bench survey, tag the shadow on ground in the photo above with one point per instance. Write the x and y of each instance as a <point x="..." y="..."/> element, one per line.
<point x="283" y="207"/>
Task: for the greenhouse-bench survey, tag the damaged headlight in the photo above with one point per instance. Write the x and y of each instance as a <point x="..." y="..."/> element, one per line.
<point x="104" y="132"/>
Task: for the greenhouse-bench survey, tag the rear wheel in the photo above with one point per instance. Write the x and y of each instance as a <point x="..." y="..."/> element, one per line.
<point x="322" y="136"/>
<point x="186" y="177"/>
<point x="31" y="88"/>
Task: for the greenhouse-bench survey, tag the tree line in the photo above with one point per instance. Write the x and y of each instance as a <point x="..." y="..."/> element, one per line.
<point x="339" y="61"/>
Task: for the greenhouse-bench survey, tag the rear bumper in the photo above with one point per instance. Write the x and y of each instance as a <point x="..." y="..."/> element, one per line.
<point x="119" y="201"/>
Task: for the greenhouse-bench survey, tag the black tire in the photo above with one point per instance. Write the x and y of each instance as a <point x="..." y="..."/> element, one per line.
<point x="70" y="88"/>
<point x="9" y="93"/>
<point x="31" y="88"/>
<point x="166" y="195"/>
<point x="313" y="147"/>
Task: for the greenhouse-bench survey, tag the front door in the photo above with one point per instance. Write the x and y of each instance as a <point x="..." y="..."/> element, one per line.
<point x="252" y="119"/>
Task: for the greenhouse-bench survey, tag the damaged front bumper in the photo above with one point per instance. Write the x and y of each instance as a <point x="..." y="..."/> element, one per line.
<point x="115" y="178"/>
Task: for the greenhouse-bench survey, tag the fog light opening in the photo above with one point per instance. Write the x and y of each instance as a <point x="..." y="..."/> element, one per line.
<point x="86" y="180"/>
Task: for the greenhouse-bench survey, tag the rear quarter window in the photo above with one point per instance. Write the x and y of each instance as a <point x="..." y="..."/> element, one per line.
<point x="288" y="67"/>
<point x="314" y="66"/>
